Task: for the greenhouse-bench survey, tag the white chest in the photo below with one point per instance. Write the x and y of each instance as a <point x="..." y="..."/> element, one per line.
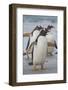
<point x="40" y="51"/>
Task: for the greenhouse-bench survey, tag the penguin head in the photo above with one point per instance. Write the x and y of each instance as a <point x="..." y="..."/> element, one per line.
<point x="48" y="29"/>
<point x="43" y="32"/>
<point x="50" y="26"/>
<point x="38" y="28"/>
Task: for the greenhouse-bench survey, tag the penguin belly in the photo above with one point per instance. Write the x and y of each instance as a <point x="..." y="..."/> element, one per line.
<point x="40" y="51"/>
<point x="50" y="39"/>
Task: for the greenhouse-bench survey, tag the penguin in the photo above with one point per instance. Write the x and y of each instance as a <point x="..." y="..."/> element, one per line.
<point x="40" y="50"/>
<point x="50" y="39"/>
<point x="32" y="39"/>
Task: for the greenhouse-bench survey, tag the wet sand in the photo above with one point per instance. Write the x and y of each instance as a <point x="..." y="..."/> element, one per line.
<point x="49" y="67"/>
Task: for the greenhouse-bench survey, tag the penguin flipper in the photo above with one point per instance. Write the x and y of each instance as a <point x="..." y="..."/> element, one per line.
<point x="55" y="44"/>
<point x="31" y="63"/>
<point x="28" y="43"/>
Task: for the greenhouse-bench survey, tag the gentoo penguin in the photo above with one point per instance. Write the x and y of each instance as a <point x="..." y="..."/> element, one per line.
<point x="40" y="50"/>
<point x="32" y="39"/>
<point x="50" y="39"/>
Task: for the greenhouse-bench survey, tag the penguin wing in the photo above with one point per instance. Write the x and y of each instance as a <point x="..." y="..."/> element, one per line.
<point x="55" y="44"/>
<point x="28" y="43"/>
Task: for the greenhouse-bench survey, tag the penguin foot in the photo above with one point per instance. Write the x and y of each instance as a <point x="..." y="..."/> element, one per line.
<point x="30" y="63"/>
<point x="45" y="68"/>
<point x="35" y="68"/>
<point x="50" y="54"/>
<point x="56" y="53"/>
